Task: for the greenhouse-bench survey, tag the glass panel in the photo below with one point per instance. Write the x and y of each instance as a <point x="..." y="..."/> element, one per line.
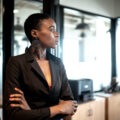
<point x="118" y="49"/>
<point x="87" y="47"/>
<point x="23" y="9"/>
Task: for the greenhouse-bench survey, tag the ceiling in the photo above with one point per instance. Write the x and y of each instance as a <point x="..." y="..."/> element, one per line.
<point x="25" y="8"/>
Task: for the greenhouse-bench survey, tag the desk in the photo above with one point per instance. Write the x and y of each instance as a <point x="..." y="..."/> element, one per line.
<point x="112" y="102"/>
<point x="92" y="110"/>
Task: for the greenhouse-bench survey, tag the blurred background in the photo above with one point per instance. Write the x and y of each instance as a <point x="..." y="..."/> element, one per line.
<point x="89" y="42"/>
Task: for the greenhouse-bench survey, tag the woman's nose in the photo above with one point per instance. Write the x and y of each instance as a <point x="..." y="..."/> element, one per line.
<point x="56" y="34"/>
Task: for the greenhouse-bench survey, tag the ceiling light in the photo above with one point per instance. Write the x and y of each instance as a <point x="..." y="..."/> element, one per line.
<point x="18" y="26"/>
<point x="82" y="25"/>
<point x="15" y="11"/>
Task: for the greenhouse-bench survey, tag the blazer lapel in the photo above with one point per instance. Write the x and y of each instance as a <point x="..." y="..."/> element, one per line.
<point x="36" y="67"/>
<point x="33" y="63"/>
<point x="54" y="71"/>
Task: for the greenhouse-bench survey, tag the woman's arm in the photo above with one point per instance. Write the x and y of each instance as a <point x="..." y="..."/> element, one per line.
<point x="66" y="93"/>
<point x="64" y="107"/>
<point x="68" y="107"/>
<point x="13" y="75"/>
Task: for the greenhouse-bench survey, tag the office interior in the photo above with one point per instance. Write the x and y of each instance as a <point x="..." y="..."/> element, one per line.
<point x="89" y="42"/>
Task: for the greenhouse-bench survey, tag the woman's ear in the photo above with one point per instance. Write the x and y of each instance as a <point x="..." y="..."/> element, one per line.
<point x="34" y="33"/>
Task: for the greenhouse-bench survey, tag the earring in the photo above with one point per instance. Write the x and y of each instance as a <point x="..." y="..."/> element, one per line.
<point x="36" y="38"/>
<point x="35" y="41"/>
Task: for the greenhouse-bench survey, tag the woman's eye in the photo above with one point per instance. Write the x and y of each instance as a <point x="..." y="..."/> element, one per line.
<point x="52" y="29"/>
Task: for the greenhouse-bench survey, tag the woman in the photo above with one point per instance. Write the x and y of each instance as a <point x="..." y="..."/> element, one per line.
<point x="36" y="86"/>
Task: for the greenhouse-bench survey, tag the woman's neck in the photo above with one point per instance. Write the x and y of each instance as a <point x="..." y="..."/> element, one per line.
<point x="39" y="53"/>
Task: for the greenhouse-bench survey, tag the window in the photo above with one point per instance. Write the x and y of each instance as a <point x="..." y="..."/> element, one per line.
<point x="118" y="49"/>
<point x="87" y="47"/>
<point x="22" y="10"/>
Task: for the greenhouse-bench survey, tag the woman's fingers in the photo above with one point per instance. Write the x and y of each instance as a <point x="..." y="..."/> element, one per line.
<point x="15" y="99"/>
<point x="20" y="99"/>
<point x="16" y="95"/>
<point x="75" y="104"/>
<point x="75" y="107"/>
<point x="74" y="110"/>
<point x="15" y="105"/>
<point x="18" y="90"/>
<point x="20" y="95"/>
<point x="74" y="101"/>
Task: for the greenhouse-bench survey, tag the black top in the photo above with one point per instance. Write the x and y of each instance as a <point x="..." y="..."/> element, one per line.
<point x="24" y="73"/>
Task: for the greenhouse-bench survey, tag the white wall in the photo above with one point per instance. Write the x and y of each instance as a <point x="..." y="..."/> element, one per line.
<point x="117" y="8"/>
<point x="108" y="8"/>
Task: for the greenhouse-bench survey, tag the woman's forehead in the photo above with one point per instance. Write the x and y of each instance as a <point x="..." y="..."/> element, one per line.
<point x="48" y="22"/>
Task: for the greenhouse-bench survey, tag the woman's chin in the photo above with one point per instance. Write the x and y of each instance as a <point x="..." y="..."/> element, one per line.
<point x="54" y="47"/>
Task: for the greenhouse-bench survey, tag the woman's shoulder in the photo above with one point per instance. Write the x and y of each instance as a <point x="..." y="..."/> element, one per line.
<point x="53" y="58"/>
<point x="17" y="58"/>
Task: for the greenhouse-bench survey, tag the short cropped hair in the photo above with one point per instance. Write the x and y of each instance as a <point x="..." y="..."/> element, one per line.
<point x="33" y="22"/>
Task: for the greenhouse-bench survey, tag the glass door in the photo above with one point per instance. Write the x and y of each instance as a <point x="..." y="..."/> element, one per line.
<point x="23" y="8"/>
<point x="118" y="50"/>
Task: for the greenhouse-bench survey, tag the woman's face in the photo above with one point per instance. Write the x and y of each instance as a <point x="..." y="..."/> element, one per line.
<point x="47" y="34"/>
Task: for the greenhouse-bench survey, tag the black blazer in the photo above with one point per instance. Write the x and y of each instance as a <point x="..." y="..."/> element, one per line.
<point x="24" y="73"/>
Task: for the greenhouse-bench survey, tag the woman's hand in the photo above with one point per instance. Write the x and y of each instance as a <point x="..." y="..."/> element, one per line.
<point x="67" y="107"/>
<point x="20" y="99"/>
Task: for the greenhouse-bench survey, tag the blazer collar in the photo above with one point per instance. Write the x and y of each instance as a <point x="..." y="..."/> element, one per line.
<point x="35" y="66"/>
<point x="30" y="56"/>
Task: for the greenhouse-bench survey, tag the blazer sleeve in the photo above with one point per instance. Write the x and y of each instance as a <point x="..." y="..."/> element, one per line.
<point x="66" y="93"/>
<point x="13" y="80"/>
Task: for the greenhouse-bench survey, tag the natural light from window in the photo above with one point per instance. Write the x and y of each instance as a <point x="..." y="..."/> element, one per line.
<point x="87" y="54"/>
